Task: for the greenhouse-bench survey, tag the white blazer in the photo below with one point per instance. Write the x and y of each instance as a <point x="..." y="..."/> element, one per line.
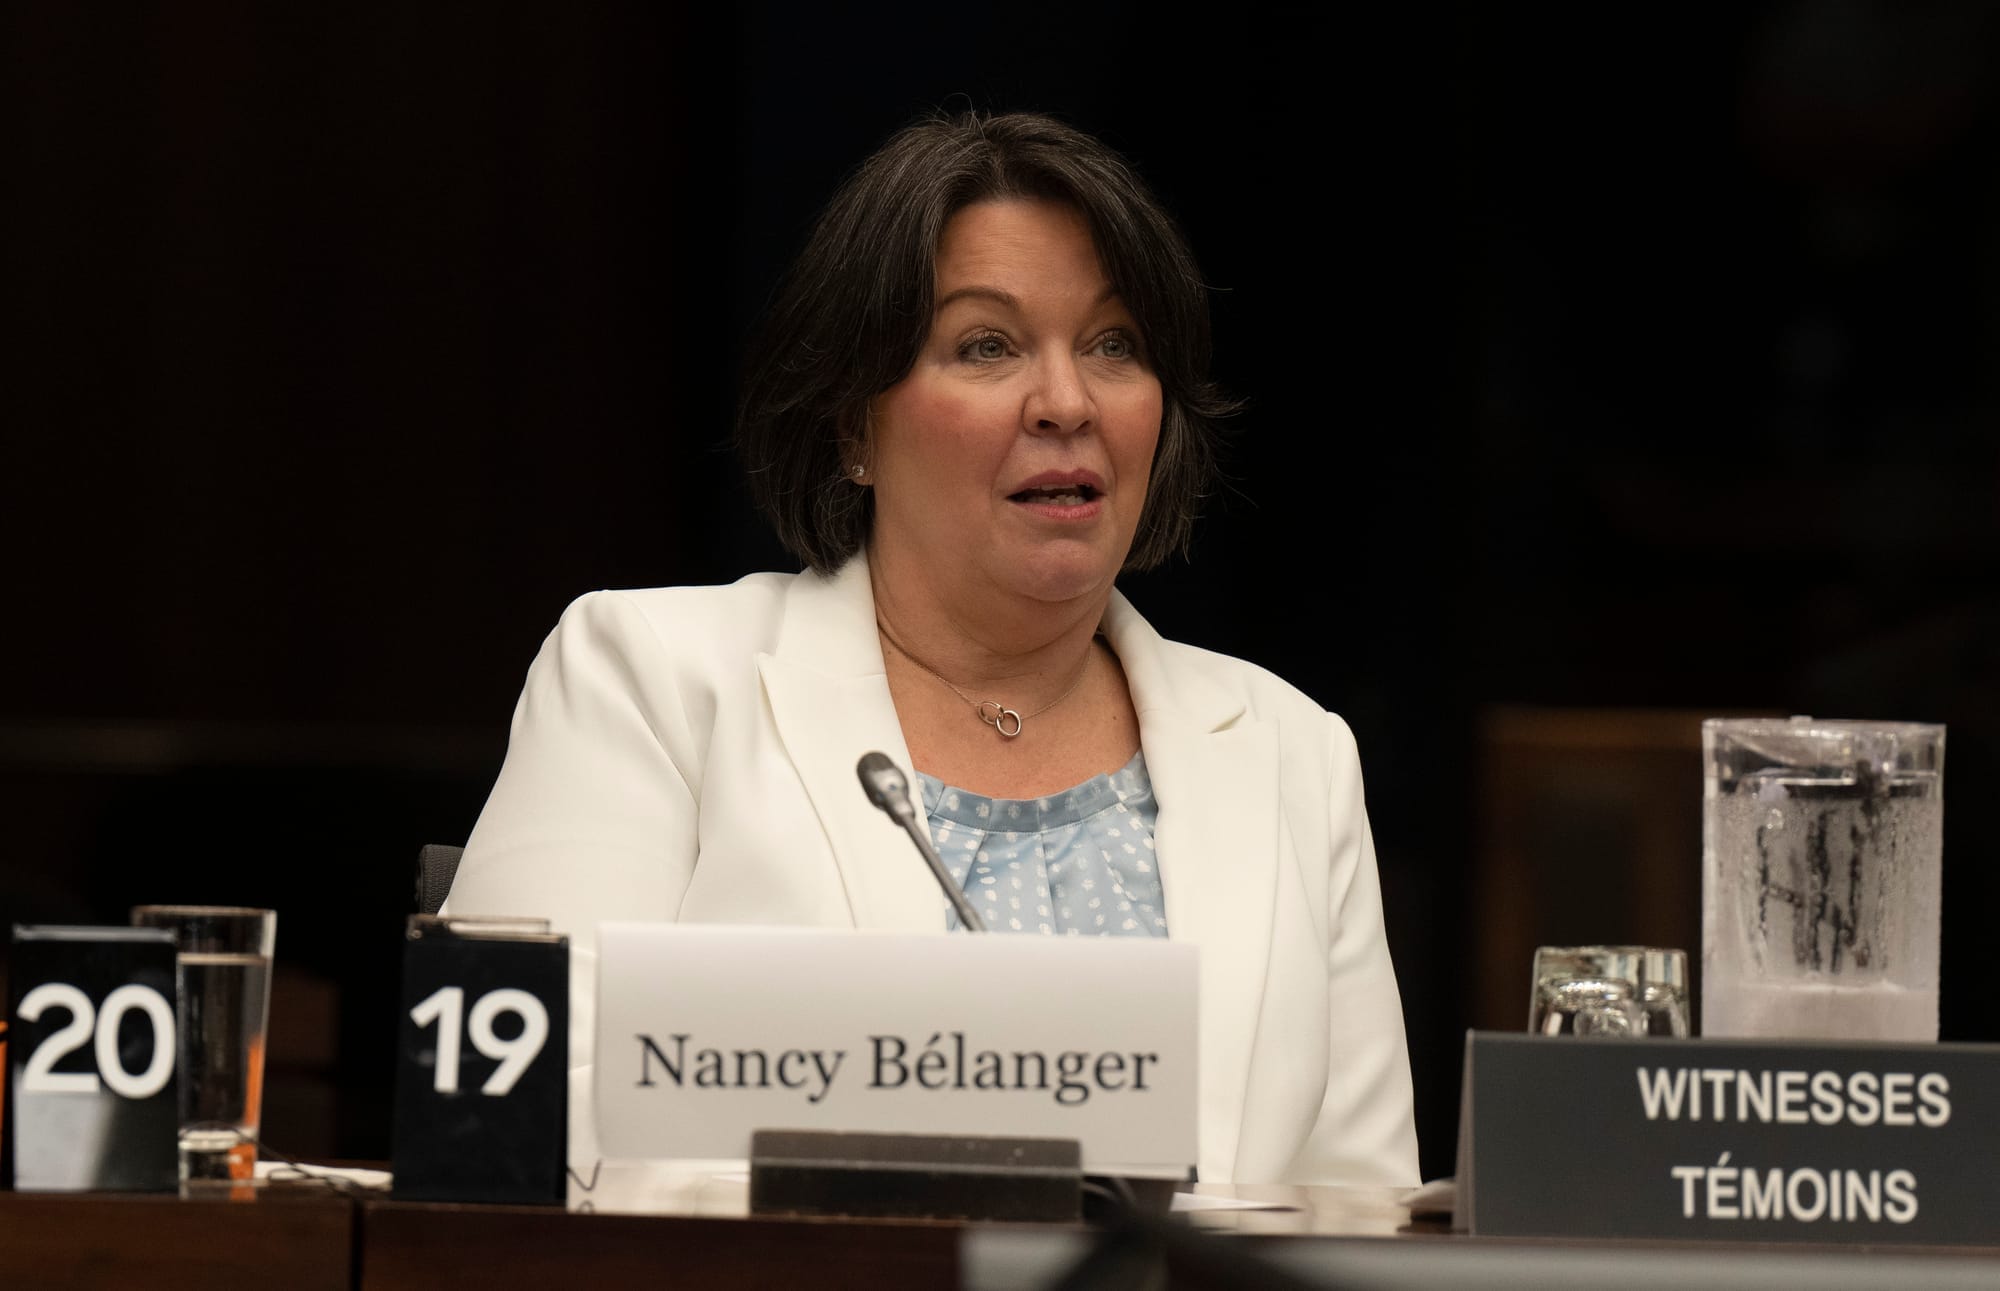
<point x="688" y="754"/>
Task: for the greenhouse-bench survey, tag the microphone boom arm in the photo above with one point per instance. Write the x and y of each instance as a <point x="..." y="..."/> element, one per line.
<point x="888" y="790"/>
<point x="966" y="914"/>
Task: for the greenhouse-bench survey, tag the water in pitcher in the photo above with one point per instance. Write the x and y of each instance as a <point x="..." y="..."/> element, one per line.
<point x="1821" y="904"/>
<point x="223" y="1006"/>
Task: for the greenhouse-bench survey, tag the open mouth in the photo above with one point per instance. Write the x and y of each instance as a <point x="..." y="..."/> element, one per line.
<point x="1066" y="495"/>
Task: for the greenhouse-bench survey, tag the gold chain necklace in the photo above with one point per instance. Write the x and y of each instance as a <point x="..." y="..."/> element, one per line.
<point x="990" y="711"/>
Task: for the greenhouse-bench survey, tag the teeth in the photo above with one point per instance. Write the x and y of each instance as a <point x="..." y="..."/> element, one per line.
<point x="1068" y="498"/>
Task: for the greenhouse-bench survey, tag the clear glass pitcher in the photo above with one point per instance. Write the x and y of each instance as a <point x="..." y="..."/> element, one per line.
<point x="1822" y="845"/>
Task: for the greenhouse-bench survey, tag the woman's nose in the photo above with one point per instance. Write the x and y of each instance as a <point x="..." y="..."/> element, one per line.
<point x="1061" y="402"/>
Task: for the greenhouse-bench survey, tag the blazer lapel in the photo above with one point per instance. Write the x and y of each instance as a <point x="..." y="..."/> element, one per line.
<point x="830" y="700"/>
<point x="1215" y="778"/>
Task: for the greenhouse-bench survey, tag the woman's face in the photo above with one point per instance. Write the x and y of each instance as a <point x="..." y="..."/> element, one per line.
<point x="1015" y="455"/>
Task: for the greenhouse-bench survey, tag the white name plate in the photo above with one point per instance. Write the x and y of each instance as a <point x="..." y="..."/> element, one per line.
<point x="706" y="1033"/>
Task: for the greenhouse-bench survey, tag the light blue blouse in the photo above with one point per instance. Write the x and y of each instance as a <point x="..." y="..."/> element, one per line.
<point x="1080" y="861"/>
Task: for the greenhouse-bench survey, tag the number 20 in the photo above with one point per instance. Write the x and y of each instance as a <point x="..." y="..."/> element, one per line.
<point x="446" y="1006"/>
<point x="39" y="1075"/>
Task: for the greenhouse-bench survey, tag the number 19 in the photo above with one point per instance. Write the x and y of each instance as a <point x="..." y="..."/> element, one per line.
<point x="446" y="1006"/>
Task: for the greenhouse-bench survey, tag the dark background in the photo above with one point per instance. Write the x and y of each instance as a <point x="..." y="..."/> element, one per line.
<point x="1605" y="370"/>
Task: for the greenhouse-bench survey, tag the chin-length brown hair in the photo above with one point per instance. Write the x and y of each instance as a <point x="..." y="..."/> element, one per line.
<point x="851" y="316"/>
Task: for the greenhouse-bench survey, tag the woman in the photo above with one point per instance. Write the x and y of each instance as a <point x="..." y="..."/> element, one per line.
<point x="979" y="396"/>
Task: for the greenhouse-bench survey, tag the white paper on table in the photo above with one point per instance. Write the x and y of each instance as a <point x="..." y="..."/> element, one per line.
<point x="1189" y="1201"/>
<point x="286" y="1172"/>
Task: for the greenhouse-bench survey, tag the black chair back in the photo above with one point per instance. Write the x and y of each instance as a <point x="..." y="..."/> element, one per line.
<point x="436" y="864"/>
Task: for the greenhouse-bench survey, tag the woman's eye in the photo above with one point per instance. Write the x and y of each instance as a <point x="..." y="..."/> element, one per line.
<point x="985" y="348"/>
<point x="1117" y="345"/>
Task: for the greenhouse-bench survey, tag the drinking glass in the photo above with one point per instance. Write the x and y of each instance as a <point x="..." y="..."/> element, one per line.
<point x="223" y="956"/>
<point x="1822" y="846"/>
<point x="1631" y="991"/>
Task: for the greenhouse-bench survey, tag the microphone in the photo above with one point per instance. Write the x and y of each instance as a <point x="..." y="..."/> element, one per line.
<point x="888" y="789"/>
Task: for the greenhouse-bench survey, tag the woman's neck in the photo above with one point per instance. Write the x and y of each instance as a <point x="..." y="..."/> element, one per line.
<point x="1006" y="699"/>
<point x="989" y="640"/>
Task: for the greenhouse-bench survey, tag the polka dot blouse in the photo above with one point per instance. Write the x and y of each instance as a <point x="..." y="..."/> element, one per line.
<point x="1076" y="862"/>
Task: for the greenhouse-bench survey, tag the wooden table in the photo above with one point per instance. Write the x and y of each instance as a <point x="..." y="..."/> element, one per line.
<point x="1321" y="1237"/>
<point x="422" y="1247"/>
<point x="308" y="1237"/>
<point x="301" y="1239"/>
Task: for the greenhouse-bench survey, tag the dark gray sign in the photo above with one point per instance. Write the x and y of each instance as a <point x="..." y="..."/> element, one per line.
<point x="90" y="1081"/>
<point x="1734" y="1140"/>
<point x="482" y="1066"/>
